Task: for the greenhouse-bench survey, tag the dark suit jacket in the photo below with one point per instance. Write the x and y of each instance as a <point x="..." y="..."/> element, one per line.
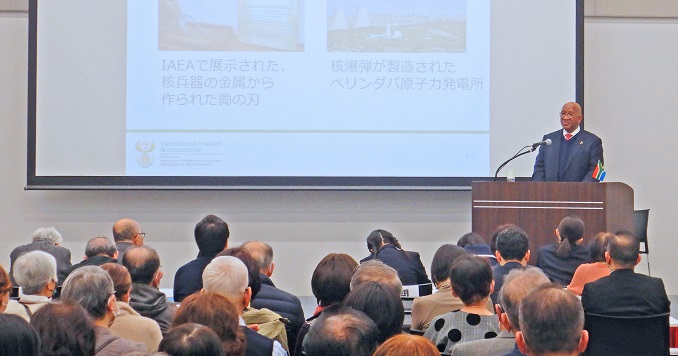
<point x="410" y="269"/>
<point x="561" y="270"/>
<point x="498" y="274"/>
<point x="625" y="293"/>
<point x="97" y="260"/>
<point x="61" y="254"/>
<point x="188" y="278"/>
<point x="587" y="151"/>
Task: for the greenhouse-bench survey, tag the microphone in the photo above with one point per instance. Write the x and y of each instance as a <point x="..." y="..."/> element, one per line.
<point x="546" y="142"/>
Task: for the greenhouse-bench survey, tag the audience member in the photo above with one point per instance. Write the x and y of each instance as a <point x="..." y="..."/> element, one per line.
<point x="211" y="236"/>
<point x="512" y="252"/>
<point x="49" y="240"/>
<point x="624" y="292"/>
<point x="228" y="277"/>
<point x="192" y="340"/>
<point x="330" y="283"/>
<point x="64" y="329"/>
<point x="376" y="271"/>
<point x="341" y="331"/>
<point x="36" y="273"/>
<point x="143" y="264"/>
<point x="475" y="245"/>
<point x="271" y="297"/>
<point x="471" y="278"/>
<point x="268" y="322"/>
<point x="217" y="313"/>
<point x="386" y="248"/>
<point x="406" y="344"/>
<point x="18" y="337"/>
<point x="428" y="307"/>
<point x="128" y="323"/>
<point x="559" y="261"/>
<point x="551" y="323"/>
<point x="98" y="251"/>
<point x="92" y="288"/>
<point x="595" y="270"/>
<point x="5" y="289"/>
<point x="127" y="233"/>
<point x="517" y="284"/>
<point x="381" y="304"/>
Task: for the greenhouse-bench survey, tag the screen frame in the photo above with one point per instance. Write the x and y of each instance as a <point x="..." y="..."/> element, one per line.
<point x="35" y="182"/>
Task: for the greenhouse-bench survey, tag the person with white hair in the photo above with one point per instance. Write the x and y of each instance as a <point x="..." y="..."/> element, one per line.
<point x="46" y="239"/>
<point x="228" y="277"/>
<point x="36" y="273"/>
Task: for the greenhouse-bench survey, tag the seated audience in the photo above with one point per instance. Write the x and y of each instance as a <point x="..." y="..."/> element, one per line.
<point x="381" y="304"/>
<point x="559" y="261"/>
<point x="624" y="292"/>
<point x="217" y="313"/>
<point x="126" y="234"/>
<point x="269" y="323"/>
<point x="64" y="329"/>
<point x="330" y="283"/>
<point x="143" y="264"/>
<point x="271" y="297"/>
<point x="428" y="307"/>
<point x="341" y="331"/>
<point x="98" y="251"/>
<point x="128" y="323"/>
<point x="18" y="337"/>
<point x="386" y="248"/>
<point x="517" y="284"/>
<point x="192" y="340"/>
<point x="406" y="344"/>
<point x="228" y="277"/>
<point x="36" y="273"/>
<point x="595" y="270"/>
<point x="49" y="240"/>
<point x="376" y="271"/>
<point x="92" y="288"/>
<point x="551" y="323"/>
<point x="471" y="279"/>
<point x="512" y="252"/>
<point x="211" y="236"/>
<point x="475" y="244"/>
<point x="5" y="289"/>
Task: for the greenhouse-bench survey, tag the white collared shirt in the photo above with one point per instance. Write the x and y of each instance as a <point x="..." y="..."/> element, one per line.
<point x="573" y="133"/>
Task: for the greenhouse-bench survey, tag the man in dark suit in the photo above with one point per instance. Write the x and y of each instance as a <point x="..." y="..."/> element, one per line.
<point x="385" y="247"/>
<point x="98" y="251"/>
<point x="624" y="292"/>
<point x="46" y="239"/>
<point x="573" y="154"/>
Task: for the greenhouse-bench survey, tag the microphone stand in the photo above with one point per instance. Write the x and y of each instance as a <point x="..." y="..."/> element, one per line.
<point x="518" y="154"/>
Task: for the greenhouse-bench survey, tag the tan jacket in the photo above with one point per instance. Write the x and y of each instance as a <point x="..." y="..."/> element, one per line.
<point x="130" y="325"/>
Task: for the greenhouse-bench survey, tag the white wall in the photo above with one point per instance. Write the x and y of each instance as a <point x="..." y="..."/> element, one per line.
<point x="630" y="102"/>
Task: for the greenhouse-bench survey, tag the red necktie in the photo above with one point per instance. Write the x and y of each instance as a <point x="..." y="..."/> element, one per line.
<point x="568" y="136"/>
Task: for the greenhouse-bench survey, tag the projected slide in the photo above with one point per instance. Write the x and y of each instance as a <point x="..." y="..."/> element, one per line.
<point x="388" y="88"/>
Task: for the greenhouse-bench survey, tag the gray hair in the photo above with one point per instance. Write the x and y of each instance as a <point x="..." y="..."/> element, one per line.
<point x="91" y="287"/>
<point x="33" y="270"/>
<point x="49" y="234"/>
<point x="226" y="276"/>
<point x="517" y="284"/>
<point x="376" y="271"/>
<point x="261" y="252"/>
<point x="100" y="246"/>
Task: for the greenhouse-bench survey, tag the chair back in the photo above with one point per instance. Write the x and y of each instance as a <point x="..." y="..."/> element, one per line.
<point x="621" y="335"/>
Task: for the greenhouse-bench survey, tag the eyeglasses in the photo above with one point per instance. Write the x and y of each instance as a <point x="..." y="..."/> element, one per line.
<point x="142" y="234"/>
<point x="568" y="114"/>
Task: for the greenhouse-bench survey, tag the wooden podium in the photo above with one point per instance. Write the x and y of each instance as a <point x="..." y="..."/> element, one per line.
<point x="538" y="207"/>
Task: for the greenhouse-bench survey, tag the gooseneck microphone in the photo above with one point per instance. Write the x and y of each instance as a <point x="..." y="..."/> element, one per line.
<point x="525" y="150"/>
<point x="546" y="142"/>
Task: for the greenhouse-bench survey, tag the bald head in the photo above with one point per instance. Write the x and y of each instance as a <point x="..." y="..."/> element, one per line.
<point x="262" y="253"/>
<point x="570" y="116"/>
<point x="143" y="264"/>
<point x="127" y="230"/>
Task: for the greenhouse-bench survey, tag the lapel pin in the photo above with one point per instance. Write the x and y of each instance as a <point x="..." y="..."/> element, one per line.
<point x="581" y="142"/>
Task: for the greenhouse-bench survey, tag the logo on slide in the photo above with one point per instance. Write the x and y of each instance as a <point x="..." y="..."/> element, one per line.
<point x="145" y="157"/>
